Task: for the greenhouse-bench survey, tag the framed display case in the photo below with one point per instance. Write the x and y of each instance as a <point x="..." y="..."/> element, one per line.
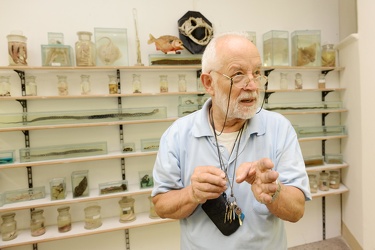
<point x="57" y="55"/>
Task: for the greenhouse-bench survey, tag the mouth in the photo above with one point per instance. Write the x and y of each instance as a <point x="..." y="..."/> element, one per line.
<point x="248" y="101"/>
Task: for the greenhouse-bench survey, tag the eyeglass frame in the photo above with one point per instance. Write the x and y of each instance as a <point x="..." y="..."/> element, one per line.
<point x="245" y="75"/>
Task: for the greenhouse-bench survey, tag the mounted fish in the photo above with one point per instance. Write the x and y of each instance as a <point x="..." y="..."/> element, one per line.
<point x="167" y="44"/>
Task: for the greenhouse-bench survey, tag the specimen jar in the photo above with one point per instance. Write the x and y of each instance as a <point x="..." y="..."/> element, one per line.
<point x="85" y="84"/>
<point x="8" y="227"/>
<point x="17" y="48"/>
<point x="127" y="213"/>
<point x="92" y="217"/>
<point x="64" y="220"/>
<point x="37" y="226"/>
<point x="85" y="49"/>
<point x="30" y="87"/>
<point x="62" y="85"/>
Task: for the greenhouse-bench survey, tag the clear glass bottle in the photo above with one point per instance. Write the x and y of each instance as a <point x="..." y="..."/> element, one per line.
<point x="4" y="86"/>
<point x="313" y="183"/>
<point x="92" y="217"/>
<point x="8" y="227"/>
<point x="153" y="214"/>
<point x="85" y="49"/>
<point x="112" y="85"/>
<point x="181" y="83"/>
<point x="322" y="81"/>
<point x="137" y="86"/>
<point x="163" y="83"/>
<point x="127" y="213"/>
<point x="64" y="220"/>
<point x="58" y="188"/>
<point x="328" y="55"/>
<point x="334" y="179"/>
<point x="200" y="86"/>
<point x="298" y="81"/>
<point x="324" y="181"/>
<point x="30" y="86"/>
<point x="283" y="81"/>
<point x="17" y="48"/>
<point x="85" y="85"/>
<point x="62" y="85"/>
<point x="37" y="226"/>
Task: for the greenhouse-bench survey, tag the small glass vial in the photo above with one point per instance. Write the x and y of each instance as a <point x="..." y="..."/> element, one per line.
<point x="127" y="213"/>
<point x="324" y="181"/>
<point x="322" y="81"/>
<point x="313" y="183"/>
<point x="112" y="85"/>
<point x="58" y="188"/>
<point x="64" y="220"/>
<point x="283" y="81"/>
<point x="153" y="214"/>
<point x="37" y="226"/>
<point x="85" y="84"/>
<point x="298" y="81"/>
<point x="163" y="83"/>
<point x="328" y="55"/>
<point x="8" y="227"/>
<point x="30" y="87"/>
<point x="62" y="85"/>
<point x="17" y="48"/>
<point x="85" y="49"/>
<point x="334" y="179"/>
<point x="181" y="83"/>
<point x="137" y="86"/>
<point x="92" y="217"/>
<point x="4" y="86"/>
<point x="200" y="86"/>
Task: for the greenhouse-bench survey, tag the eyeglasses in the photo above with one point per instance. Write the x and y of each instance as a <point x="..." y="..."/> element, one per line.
<point x="241" y="81"/>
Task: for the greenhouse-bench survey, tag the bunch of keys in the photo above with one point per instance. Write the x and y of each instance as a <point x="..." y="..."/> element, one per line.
<point x="233" y="211"/>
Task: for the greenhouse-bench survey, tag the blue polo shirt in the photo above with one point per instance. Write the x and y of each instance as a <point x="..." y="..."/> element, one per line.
<point x="189" y="142"/>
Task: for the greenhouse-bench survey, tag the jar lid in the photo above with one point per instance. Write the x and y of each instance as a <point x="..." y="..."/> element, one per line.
<point x="8" y="215"/>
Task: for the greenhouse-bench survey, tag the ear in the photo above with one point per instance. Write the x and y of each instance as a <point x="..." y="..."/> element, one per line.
<point x="207" y="83"/>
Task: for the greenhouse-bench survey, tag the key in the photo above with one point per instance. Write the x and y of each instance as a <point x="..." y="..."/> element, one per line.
<point x="226" y="213"/>
<point x="240" y="215"/>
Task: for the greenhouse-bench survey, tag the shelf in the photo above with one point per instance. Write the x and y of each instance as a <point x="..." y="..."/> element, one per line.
<point x="331" y="191"/>
<point x="109" y="224"/>
<point x="110" y="155"/>
<point x="326" y="167"/>
<point x="102" y="68"/>
<point x="302" y="90"/>
<point x="84" y="125"/>
<point x="299" y="68"/>
<point x="321" y="138"/>
<point x="94" y="196"/>
<point x="309" y="112"/>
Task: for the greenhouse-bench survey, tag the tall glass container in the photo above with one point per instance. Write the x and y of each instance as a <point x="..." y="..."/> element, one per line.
<point x="62" y="85"/>
<point x="8" y="227"/>
<point x="127" y="213"/>
<point x="85" y="84"/>
<point x="92" y="217"/>
<point x="324" y="181"/>
<point x="85" y="49"/>
<point x="58" y="188"/>
<point x="137" y="86"/>
<point x="322" y="81"/>
<point x="276" y="48"/>
<point x="17" y="48"/>
<point x="334" y="179"/>
<point x="181" y="83"/>
<point x="4" y="86"/>
<point x="37" y="225"/>
<point x="298" y="82"/>
<point x="64" y="220"/>
<point x="313" y="183"/>
<point x="328" y="55"/>
<point x="306" y="50"/>
<point x="153" y="214"/>
<point x="31" y="88"/>
<point x="283" y="81"/>
<point x="163" y="83"/>
<point x="112" y="85"/>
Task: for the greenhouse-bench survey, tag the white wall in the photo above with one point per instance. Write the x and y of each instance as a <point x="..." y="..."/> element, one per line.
<point x="36" y="18"/>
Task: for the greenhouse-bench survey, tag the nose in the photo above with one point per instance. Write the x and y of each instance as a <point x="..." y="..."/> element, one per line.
<point x="250" y="84"/>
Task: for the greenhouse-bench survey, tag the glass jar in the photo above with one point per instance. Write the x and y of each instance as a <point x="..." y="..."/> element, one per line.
<point x="322" y="81"/>
<point x="127" y="213"/>
<point x="30" y="87"/>
<point x="283" y="81"/>
<point x="37" y="226"/>
<point x="85" y="49"/>
<point x="313" y="183"/>
<point x="328" y="55"/>
<point x="4" y="86"/>
<point x="17" y="48"/>
<point x="181" y="83"/>
<point x="64" y="220"/>
<point x="137" y="88"/>
<point x="163" y="83"/>
<point x="92" y="217"/>
<point x="200" y="86"/>
<point x="8" y="227"/>
<point x="58" y="188"/>
<point x="85" y="84"/>
<point x="298" y="81"/>
<point x="153" y="214"/>
<point x="334" y="179"/>
<point x="62" y="85"/>
<point x="324" y="181"/>
<point x="112" y="85"/>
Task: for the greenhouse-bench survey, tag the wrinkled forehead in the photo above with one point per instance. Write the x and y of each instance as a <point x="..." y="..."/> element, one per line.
<point x="238" y="48"/>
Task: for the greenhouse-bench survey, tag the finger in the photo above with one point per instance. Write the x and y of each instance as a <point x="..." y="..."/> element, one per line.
<point x="244" y="172"/>
<point x="265" y="164"/>
<point x="269" y="177"/>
